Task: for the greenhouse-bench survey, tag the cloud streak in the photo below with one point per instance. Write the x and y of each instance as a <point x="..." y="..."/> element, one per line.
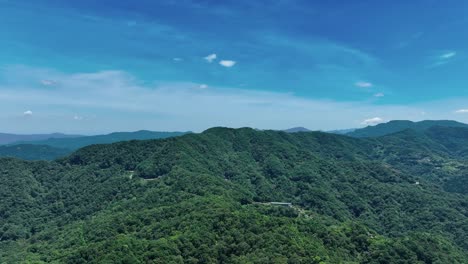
<point x="448" y="55"/>
<point x="442" y="59"/>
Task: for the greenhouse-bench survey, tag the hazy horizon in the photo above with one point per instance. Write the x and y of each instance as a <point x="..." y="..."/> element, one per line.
<point x="200" y="131"/>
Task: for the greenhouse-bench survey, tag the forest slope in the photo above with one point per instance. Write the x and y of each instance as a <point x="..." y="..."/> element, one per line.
<point x="203" y="198"/>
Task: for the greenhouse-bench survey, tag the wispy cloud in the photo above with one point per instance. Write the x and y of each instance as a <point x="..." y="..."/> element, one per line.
<point x="227" y="63"/>
<point x="210" y="58"/>
<point x="362" y="84"/>
<point x="379" y="95"/>
<point x="448" y="55"/>
<point x="442" y="59"/>
<point x="410" y="40"/>
<point x="321" y="50"/>
<point x="461" y="111"/>
<point x="78" y="118"/>
<point x="27" y="113"/>
<point x="47" y="82"/>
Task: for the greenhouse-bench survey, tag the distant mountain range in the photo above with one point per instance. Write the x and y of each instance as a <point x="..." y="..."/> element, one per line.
<point x="386" y="128"/>
<point x="52" y="146"/>
<point x="79" y="142"/>
<point x="12" y="138"/>
<point x="48" y="147"/>
<point x="400" y="125"/>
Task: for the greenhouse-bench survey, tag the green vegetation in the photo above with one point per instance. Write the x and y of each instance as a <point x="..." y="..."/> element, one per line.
<point x="33" y="152"/>
<point x="400" y="125"/>
<point x="203" y="198"/>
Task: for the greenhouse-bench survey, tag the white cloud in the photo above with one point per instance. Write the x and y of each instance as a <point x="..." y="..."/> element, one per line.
<point x="28" y="113"/>
<point x="78" y="118"/>
<point x="462" y="111"/>
<point x="379" y="95"/>
<point x="227" y="63"/>
<point x="203" y="86"/>
<point x="177" y="59"/>
<point x="362" y="84"/>
<point x="210" y="58"/>
<point x="372" y="121"/>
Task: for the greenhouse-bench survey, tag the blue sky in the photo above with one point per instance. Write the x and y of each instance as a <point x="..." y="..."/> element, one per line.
<point x="100" y="66"/>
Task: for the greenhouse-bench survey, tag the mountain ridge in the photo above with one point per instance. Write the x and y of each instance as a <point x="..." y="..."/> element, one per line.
<point x="296" y="130"/>
<point x="399" y="125"/>
<point x="7" y="138"/>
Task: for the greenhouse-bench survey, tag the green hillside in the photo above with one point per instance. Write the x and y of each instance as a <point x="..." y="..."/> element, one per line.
<point x="205" y="198"/>
<point x="400" y="125"/>
<point x="33" y="152"/>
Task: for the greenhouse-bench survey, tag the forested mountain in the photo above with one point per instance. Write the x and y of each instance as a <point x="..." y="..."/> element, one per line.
<point x="205" y="198"/>
<point x="33" y="152"/>
<point x="400" y="125"/>
<point x="12" y="138"/>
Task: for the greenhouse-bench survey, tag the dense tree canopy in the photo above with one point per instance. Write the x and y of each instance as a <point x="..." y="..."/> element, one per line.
<point x="205" y="198"/>
<point x="33" y="152"/>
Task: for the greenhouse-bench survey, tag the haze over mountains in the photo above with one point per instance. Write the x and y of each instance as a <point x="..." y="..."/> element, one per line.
<point x="49" y="147"/>
<point x="12" y="138"/>
<point x="78" y="142"/>
<point x="207" y="198"/>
